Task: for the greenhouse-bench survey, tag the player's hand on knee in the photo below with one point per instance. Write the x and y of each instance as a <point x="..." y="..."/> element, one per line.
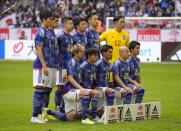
<point x="45" y="70"/>
<point x="128" y="89"/>
<point x="65" y="79"/>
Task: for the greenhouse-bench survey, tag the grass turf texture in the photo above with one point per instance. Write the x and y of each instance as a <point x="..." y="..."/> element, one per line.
<point x="161" y="81"/>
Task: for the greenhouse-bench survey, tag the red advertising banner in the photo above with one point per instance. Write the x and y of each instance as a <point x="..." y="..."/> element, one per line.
<point x="33" y="33"/>
<point x="4" y="34"/>
<point x="148" y="35"/>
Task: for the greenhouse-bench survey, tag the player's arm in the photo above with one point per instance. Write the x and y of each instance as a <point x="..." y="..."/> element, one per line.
<point x="74" y="82"/>
<point x="128" y="40"/>
<point x="102" y="37"/>
<point x="115" y="70"/>
<point x="134" y="83"/>
<point x="41" y="57"/>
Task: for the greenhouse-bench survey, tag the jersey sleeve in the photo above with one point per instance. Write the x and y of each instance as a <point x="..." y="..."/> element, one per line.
<point x="102" y="37"/>
<point x="128" y="40"/>
<point x="70" y="68"/>
<point x="40" y="36"/>
<point x="115" y="69"/>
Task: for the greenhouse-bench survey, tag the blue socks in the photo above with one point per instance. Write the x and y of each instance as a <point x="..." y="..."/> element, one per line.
<point x="94" y="104"/>
<point x="139" y="95"/>
<point x="38" y="99"/>
<point x="59" y="115"/>
<point x="47" y="97"/>
<point x="85" y="105"/>
<point x="127" y="98"/>
<point x="110" y="99"/>
<point x="58" y="99"/>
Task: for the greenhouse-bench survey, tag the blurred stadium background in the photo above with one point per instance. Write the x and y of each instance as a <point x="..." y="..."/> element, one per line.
<point x="156" y="24"/>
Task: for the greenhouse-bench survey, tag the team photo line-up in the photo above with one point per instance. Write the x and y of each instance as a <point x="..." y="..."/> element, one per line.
<point x="86" y="76"/>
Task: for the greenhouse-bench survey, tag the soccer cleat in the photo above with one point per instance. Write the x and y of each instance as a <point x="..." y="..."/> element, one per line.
<point x="44" y="113"/>
<point x="37" y="120"/>
<point x="87" y="121"/>
<point x="42" y="118"/>
<point x="50" y="117"/>
<point x="96" y="119"/>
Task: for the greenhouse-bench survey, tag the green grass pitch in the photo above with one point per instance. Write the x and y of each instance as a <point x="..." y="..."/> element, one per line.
<point x="162" y="83"/>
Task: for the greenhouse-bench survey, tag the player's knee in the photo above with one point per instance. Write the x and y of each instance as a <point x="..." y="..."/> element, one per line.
<point x="70" y="116"/>
<point x="141" y="92"/>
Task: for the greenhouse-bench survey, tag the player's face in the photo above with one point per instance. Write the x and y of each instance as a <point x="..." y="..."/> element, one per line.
<point x="121" y="23"/>
<point x="126" y="54"/>
<point x="54" y="23"/>
<point x="94" y="21"/>
<point x="82" y="26"/>
<point x="69" y="25"/>
<point x="49" y="22"/>
<point x="108" y="54"/>
<point x="80" y="54"/>
<point x="93" y="58"/>
<point x="136" y="50"/>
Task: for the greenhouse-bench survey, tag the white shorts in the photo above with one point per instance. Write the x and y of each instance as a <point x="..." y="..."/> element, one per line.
<point x="40" y="79"/>
<point x="72" y="102"/>
<point x="102" y="97"/>
<point x="60" y="75"/>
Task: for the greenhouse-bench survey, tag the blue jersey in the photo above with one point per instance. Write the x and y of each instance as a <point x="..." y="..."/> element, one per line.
<point x="47" y="39"/>
<point x="65" y="42"/>
<point x="102" y="73"/>
<point x="87" y="75"/>
<point x="134" y="64"/>
<point x="73" y="69"/>
<point x="92" y="39"/>
<point x="80" y="39"/>
<point x="122" y="70"/>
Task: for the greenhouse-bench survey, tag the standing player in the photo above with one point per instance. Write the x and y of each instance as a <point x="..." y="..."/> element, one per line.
<point x="65" y="42"/>
<point x="45" y="65"/>
<point x="103" y="69"/>
<point x="134" y="63"/>
<point x="80" y="37"/>
<point x="116" y="37"/>
<point x="91" y="33"/>
<point x="87" y="81"/>
<point x="53" y="38"/>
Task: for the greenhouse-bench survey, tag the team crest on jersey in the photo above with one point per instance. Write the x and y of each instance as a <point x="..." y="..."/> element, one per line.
<point x="56" y="43"/>
<point x="97" y="42"/>
<point x="70" y="46"/>
<point x="124" y="37"/>
<point x="126" y="75"/>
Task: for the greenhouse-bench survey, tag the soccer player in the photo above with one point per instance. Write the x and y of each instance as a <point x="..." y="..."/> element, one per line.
<point x="80" y="37"/>
<point x="72" y="91"/>
<point x="53" y="25"/>
<point x="122" y="81"/>
<point x="92" y="33"/>
<point x="103" y="69"/>
<point x="134" y="63"/>
<point x="87" y="81"/>
<point x="45" y="65"/>
<point x="116" y="37"/>
<point x="65" y="42"/>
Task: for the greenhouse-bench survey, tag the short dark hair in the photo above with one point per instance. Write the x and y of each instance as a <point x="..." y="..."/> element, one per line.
<point x="116" y="18"/>
<point x="90" y="15"/>
<point x="78" y="21"/>
<point x="91" y="51"/>
<point x="45" y="15"/>
<point x="133" y="44"/>
<point x="65" y="19"/>
<point x="105" y="48"/>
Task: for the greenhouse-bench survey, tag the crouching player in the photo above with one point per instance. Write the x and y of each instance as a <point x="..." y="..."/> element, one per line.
<point x="134" y="64"/>
<point x="87" y="81"/>
<point x="103" y="68"/>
